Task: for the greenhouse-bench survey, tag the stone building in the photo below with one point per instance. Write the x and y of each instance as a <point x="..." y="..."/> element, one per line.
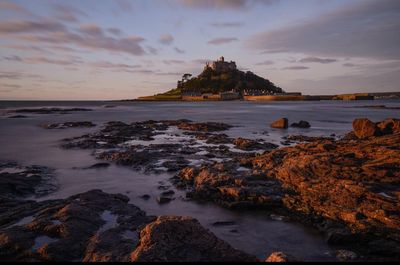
<point x="220" y="65"/>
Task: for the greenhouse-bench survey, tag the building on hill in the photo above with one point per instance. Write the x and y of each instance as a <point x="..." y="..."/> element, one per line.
<point x="220" y="65"/>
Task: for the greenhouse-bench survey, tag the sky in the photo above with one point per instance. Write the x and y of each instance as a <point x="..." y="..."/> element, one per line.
<point x="123" y="49"/>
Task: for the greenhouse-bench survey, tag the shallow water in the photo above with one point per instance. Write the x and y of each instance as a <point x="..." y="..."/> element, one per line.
<point x="23" y="141"/>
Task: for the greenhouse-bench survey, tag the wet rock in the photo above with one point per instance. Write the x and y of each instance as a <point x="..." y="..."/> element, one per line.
<point x="145" y="197"/>
<point x="204" y="127"/>
<point x="85" y="227"/>
<point x="389" y="126"/>
<point x="304" y="138"/>
<point x="50" y="110"/>
<point x="301" y="124"/>
<point x="174" y="239"/>
<point x="280" y="124"/>
<point x="99" y="166"/>
<point x="168" y="193"/>
<point x="346" y="255"/>
<point x="164" y="199"/>
<point x="251" y="145"/>
<point x="66" y="125"/>
<point x="364" y="128"/>
<point x="18" y="117"/>
<point x="22" y="181"/>
<point x="225" y="185"/>
<point x="352" y="183"/>
<point x="224" y="223"/>
<point x="281" y="257"/>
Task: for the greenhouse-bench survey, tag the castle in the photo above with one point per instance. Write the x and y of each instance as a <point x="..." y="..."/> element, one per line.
<point x="221" y="65"/>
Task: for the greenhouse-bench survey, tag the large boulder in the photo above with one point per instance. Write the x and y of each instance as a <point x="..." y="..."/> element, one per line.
<point x="280" y="124"/>
<point x="180" y="239"/>
<point x="389" y="126"/>
<point x="364" y="128"/>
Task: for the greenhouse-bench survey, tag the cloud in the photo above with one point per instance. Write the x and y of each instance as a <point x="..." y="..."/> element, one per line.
<point x="14" y="75"/>
<point x="356" y="83"/>
<point x="125" y="5"/>
<point x="10" y="6"/>
<point x="179" y="50"/>
<point x="120" y="67"/>
<point x="265" y="63"/>
<point x="115" y="31"/>
<point x="130" y="45"/>
<point x="350" y="65"/>
<point x="223" y="4"/>
<point x="166" y="39"/>
<point x="13" y="27"/>
<point x="68" y="13"/>
<point x="40" y="60"/>
<point x="220" y="41"/>
<point x="317" y="60"/>
<point x="173" y="62"/>
<point x="9" y="87"/>
<point x="369" y="29"/>
<point x="91" y="29"/>
<point x="227" y="24"/>
<point x="296" y="68"/>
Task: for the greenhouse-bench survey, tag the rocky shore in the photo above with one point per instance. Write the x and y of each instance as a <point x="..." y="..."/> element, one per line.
<point x="348" y="188"/>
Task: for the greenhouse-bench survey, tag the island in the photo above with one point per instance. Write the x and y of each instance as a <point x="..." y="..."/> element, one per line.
<point x="222" y="80"/>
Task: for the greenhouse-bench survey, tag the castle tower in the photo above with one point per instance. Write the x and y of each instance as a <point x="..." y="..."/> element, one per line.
<point x="222" y="59"/>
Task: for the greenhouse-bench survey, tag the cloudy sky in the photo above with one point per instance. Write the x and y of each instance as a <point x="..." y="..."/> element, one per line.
<point x="118" y="49"/>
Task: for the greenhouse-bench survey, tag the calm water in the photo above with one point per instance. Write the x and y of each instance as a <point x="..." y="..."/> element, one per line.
<point x="22" y="140"/>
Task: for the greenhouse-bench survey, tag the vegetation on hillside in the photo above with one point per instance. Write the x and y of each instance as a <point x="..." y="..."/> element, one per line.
<point x="211" y="81"/>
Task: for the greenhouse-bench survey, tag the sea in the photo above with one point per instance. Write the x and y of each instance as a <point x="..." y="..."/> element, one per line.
<point x="255" y="232"/>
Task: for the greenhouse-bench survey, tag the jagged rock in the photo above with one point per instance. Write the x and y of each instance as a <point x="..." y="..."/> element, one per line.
<point x="18" y="181"/>
<point x="66" y="125"/>
<point x="364" y="128"/>
<point x="281" y="257"/>
<point x="251" y="145"/>
<point x="352" y="183"/>
<point x="177" y="239"/>
<point x="280" y="124"/>
<point x="50" y="110"/>
<point x="224" y="184"/>
<point x="84" y="227"/>
<point x="346" y="255"/>
<point x="204" y="127"/>
<point x="301" y="124"/>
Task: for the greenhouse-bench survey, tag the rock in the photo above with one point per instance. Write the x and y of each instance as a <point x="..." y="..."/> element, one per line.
<point x="183" y="239"/>
<point x="164" y="199"/>
<point x="280" y="124"/>
<point x="145" y="197"/>
<point x="99" y="166"/>
<point x="225" y="185"/>
<point x="50" y="110"/>
<point x="346" y="255"/>
<point x="389" y="126"/>
<point x="251" y="145"/>
<point x="66" y="125"/>
<point x="301" y="124"/>
<point x="168" y="193"/>
<point x="18" y="181"/>
<point x="364" y="128"/>
<point x="84" y="227"/>
<point x="204" y="127"/>
<point x="18" y="117"/>
<point x="224" y="223"/>
<point x="281" y="257"/>
<point x="352" y="183"/>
